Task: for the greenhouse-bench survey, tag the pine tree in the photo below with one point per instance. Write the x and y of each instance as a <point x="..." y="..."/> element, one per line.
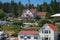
<point x="1" y="5"/>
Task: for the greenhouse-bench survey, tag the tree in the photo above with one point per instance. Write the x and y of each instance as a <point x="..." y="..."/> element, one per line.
<point x="43" y="21"/>
<point x="2" y="14"/>
<point x="1" y="5"/>
<point x="59" y="6"/>
<point x="44" y="7"/>
<point x="13" y="29"/>
<point x="39" y="8"/>
<point x="6" y="7"/>
<point x="19" y="9"/>
<point x="54" y="6"/>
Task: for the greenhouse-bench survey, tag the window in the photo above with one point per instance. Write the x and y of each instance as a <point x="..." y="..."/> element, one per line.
<point x="35" y="37"/>
<point x="29" y="37"/>
<point x="46" y="31"/>
<point x="21" y="37"/>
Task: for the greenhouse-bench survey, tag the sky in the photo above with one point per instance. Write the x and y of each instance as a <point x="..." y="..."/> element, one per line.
<point x="35" y="2"/>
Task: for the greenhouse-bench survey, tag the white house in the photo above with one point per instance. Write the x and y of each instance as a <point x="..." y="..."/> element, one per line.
<point x="47" y="32"/>
<point x="28" y="35"/>
<point x="33" y="14"/>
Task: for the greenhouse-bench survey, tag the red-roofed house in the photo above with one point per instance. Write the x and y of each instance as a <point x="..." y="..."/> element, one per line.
<point x="47" y="32"/>
<point x="28" y="35"/>
<point x="32" y="13"/>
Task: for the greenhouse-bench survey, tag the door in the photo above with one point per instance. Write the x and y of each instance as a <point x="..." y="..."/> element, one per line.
<point x="46" y="38"/>
<point x="25" y="37"/>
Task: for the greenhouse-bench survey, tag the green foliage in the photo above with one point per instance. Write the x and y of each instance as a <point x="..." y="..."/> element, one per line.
<point x="14" y="28"/>
<point x="18" y="23"/>
<point x="30" y="21"/>
<point x="2" y="14"/>
<point x="49" y="15"/>
<point x="39" y="8"/>
<point x="32" y="28"/>
<point x="43" y="21"/>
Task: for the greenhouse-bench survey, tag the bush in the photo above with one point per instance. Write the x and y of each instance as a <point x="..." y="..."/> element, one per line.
<point x="18" y="23"/>
<point x="43" y="21"/>
<point x="2" y="14"/>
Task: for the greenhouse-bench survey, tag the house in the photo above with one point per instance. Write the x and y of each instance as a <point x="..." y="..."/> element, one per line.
<point x="27" y="14"/>
<point x="32" y="14"/>
<point x="28" y="35"/>
<point x="47" y="32"/>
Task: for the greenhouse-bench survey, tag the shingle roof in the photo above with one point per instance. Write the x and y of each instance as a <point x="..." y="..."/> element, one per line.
<point x="41" y="13"/>
<point x="28" y="32"/>
<point x="53" y="27"/>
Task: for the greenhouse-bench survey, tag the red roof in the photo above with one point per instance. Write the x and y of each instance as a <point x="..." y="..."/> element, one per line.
<point x="53" y="27"/>
<point x="28" y="32"/>
<point x="32" y="11"/>
<point x="41" y="13"/>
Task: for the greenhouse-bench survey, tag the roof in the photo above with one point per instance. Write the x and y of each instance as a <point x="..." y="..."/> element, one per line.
<point x="41" y="13"/>
<point x="55" y="15"/>
<point x="28" y="32"/>
<point x="53" y="27"/>
<point x="32" y="11"/>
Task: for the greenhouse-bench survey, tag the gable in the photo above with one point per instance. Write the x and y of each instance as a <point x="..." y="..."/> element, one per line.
<point x="49" y="27"/>
<point x="27" y="13"/>
<point x="45" y="26"/>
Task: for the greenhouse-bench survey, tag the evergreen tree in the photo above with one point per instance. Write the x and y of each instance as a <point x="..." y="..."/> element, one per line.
<point x="39" y="8"/>
<point x="44" y="7"/>
<point x="1" y="5"/>
<point x="19" y="9"/>
<point x="59" y="6"/>
<point x="6" y="7"/>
